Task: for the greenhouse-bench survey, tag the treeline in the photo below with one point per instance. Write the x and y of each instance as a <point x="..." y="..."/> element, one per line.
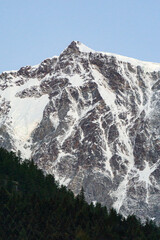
<point x="35" y="207"/>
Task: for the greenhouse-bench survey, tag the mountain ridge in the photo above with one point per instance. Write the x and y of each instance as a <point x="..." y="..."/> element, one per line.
<point x="83" y="48"/>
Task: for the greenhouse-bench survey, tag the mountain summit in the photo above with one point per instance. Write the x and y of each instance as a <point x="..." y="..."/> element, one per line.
<point x="91" y="119"/>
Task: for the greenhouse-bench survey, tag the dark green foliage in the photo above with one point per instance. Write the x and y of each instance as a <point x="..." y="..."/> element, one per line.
<point x="33" y="206"/>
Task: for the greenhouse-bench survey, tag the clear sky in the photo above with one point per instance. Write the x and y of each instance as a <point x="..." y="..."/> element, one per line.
<point x="33" y="30"/>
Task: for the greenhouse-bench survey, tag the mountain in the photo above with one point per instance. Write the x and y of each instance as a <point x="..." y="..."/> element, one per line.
<point x="91" y="119"/>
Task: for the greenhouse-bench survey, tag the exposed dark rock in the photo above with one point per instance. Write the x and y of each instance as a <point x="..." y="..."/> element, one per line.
<point x="113" y="133"/>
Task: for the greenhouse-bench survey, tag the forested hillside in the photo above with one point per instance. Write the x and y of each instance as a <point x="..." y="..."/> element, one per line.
<point x="35" y="207"/>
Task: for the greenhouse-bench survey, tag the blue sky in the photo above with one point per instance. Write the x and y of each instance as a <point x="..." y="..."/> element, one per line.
<point x="33" y="30"/>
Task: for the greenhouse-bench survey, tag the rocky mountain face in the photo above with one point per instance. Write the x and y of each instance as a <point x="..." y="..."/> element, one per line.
<point x="92" y="120"/>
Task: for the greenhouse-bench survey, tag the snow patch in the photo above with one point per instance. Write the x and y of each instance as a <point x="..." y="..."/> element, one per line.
<point x="84" y="48"/>
<point x="76" y="80"/>
<point x="54" y="119"/>
<point x="24" y="115"/>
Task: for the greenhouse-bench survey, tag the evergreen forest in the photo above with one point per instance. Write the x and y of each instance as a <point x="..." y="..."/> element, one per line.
<point x="34" y="207"/>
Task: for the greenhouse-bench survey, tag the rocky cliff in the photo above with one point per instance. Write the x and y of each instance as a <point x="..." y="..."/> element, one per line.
<point x="91" y="119"/>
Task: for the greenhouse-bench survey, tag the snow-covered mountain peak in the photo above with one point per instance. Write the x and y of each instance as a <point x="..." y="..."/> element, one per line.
<point x="91" y="119"/>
